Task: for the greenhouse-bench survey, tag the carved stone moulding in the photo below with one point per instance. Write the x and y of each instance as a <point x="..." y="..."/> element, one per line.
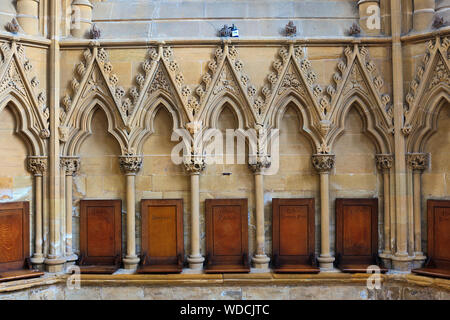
<point x="384" y="161"/>
<point x="258" y="162"/>
<point x="194" y="164"/>
<point x="323" y="162"/>
<point x="130" y="163"/>
<point x="37" y="165"/>
<point x="418" y="161"/>
<point x="71" y="165"/>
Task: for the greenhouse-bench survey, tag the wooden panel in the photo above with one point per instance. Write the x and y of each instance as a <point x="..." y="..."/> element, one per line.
<point x="227" y="235"/>
<point x="439" y="233"/>
<point x="14" y="235"/>
<point x="356" y="233"/>
<point x="162" y="236"/>
<point x="438" y="264"/>
<point x="442" y="233"/>
<point x="357" y="223"/>
<point x="293" y="235"/>
<point x="100" y="232"/>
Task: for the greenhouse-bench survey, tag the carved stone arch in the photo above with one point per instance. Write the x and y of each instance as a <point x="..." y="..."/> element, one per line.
<point x="226" y="77"/>
<point x="422" y="132"/>
<point x="277" y="111"/>
<point x="432" y="76"/>
<point x="82" y="126"/>
<point x="213" y="113"/>
<point x="357" y="75"/>
<point x="144" y="120"/>
<point x="17" y="80"/>
<point x="93" y="79"/>
<point x="36" y="146"/>
<point x="374" y="131"/>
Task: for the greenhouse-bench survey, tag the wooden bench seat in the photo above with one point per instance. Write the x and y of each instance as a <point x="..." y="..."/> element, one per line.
<point x="19" y="275"/>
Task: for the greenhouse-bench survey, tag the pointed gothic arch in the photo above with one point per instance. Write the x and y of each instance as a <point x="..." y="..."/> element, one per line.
<point x="31" y="136"/>
<point x="144" y="120"/>
<point x="371" y="127"/>
<point x="273" y="120"/>
<point x="429" y="92"/>
<point x="83" y="125"/>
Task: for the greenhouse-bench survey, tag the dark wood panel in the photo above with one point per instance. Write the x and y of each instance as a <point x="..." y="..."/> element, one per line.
<point x="293" y="229"/>
<point x="100" y="234"/>
<point x="15" y="242"/>
<point x="438" y="263"/>
<point x="226" y="235"/>
<point x="162" y="236"/>
<point x="357" y="234"/>
<point x="14" y="235"/>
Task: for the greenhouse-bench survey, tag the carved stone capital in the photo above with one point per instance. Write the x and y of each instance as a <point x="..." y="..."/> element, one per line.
<point x="323" y="162"/>
<point x="194" y="164"/>
<point x="37" y="165"/>
<point x="258" y="162"/>
<point x="384" y="161"/>
<point x="418" y="161"/>
<point x="71" y="165"/>
<point x="130" y="163"/>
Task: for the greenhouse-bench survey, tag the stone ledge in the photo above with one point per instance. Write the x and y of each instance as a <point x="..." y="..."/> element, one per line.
<point x="269" y="279"/>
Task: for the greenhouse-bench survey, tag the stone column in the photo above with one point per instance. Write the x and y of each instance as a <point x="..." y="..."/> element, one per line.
<point x="82" y="18"/>
<point x="258" y="163"/>
<point x="37" y="165"/>
<point x="423" y="14"/>
<point x="384" y="164"/>
<point x="324" y="163"/>
<point x="367" y="20"/>
<point x="418" y="163"/>
<point x="130" y="165"/>
<point x="28" y="16"/>
<point x="71" y="165"/>
<point x="400" y="260"/>
<point x="194" y="165"/>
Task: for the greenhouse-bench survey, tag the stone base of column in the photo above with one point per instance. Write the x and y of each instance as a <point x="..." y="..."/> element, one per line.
<point x="72" y="257"/>
<point x="419" y="260"/>
<point x="37" y="259"/>
<point x="131" y="262"/>
<point x="402" y="262"/>
<point x="55" y="264"/>
<point x="196" y="262"/>
<point x="260" y="261"/>
<point x="326" y="263"/>
<point x="386" y="259"/>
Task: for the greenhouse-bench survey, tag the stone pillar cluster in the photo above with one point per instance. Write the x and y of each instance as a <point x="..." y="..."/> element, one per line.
<point x="258" y="163"/>
<point x="130" y="165"/>
<point x="384" y="164"/>
<point x="71" y="166"/>
<point x="37" y="165"/>
<point x="418" y="162"/>
<point x="423" y="14"/>
<point x="324" y="163"/>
